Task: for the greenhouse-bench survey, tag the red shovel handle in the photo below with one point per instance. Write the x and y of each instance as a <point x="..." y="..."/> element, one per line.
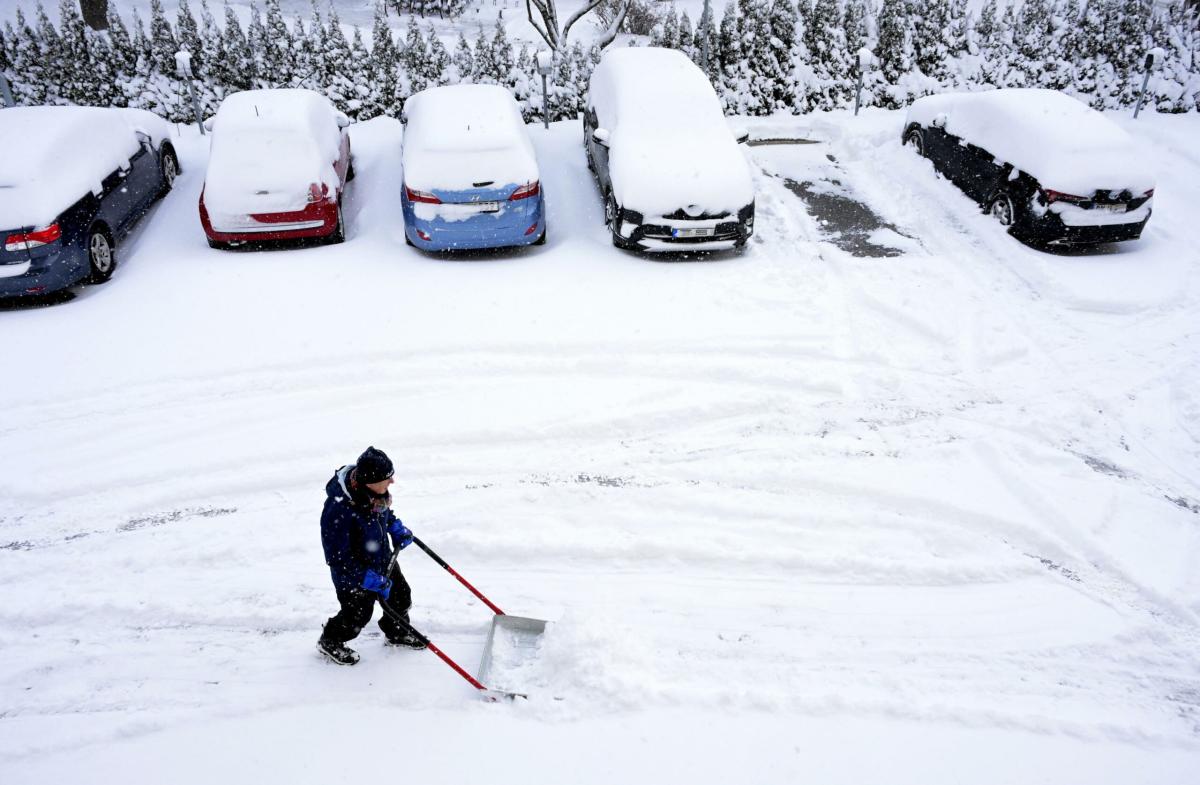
<point x="429" y="645"/>
<point x="461" y="579"/>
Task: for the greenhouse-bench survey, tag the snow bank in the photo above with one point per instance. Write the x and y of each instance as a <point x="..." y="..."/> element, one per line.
<point x="268" y="147"/>
<point x="1065" y="144"/>
<point x="669" y="144"/>
<point x="460" y="135"/>
<point x="53" y="155"/>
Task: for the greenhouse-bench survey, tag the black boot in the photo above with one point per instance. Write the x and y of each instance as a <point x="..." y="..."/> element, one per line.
<point x="407" y="640"/>
<point x="337" y="652"/>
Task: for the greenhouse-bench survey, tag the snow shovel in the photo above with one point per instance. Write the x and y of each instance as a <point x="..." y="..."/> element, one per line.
<point x="516" y="636"/>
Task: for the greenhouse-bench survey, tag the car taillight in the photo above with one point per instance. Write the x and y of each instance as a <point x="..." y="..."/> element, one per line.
<point x="1059" y="196"/>
<point x="317" y="192"/>
<point x="420" y="196"/>
<point x="28" y="240"/>
<point x="526" y="191"/>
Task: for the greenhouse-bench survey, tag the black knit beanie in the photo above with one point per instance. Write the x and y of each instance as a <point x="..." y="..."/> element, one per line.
<point x="373" y="466"/>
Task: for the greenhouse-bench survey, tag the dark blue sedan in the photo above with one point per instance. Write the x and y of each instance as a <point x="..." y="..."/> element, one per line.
<point x="73" y="182"/>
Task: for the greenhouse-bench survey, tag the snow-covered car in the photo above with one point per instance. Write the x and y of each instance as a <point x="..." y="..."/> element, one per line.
<point x="1050" y="168"/>
<point x="470" y="174"/>
<point x="279" y="164"/>
<point x="669" y="168"/>
<point x="73" y="181"/>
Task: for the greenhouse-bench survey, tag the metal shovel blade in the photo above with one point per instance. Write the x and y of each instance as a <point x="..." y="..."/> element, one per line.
<point x="512" y="644"/>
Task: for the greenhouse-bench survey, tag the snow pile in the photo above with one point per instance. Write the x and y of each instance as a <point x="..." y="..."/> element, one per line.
<point x="1065" y="144"/>
<point x="54" y="155"/>
<point x="669" y="145"/>
<point x="268" y="148"/>
<point x="458" y="136"/>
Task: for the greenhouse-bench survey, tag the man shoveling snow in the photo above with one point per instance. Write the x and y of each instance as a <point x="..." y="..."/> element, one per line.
<point x="354" y="526"/>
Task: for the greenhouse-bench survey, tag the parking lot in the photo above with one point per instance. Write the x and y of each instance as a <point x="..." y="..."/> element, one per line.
<point x="887" y="467"/>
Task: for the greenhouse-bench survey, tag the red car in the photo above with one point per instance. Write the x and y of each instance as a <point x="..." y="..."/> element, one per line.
<point x="279" y="164"/>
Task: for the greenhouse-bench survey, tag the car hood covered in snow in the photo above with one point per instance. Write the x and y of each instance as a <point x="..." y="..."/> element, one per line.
<point x="461" y="135"/>
<point x="54" y="155"/>
<point x="268" y="148"/>
<point x="1065" y="144"/>
<point x="669" y="144"/>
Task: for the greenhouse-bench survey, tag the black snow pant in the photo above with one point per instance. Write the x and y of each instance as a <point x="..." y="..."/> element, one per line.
<point x="359" y="604"/>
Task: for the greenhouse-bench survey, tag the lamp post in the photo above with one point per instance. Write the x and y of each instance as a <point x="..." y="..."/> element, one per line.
<point x="545" y="62"/>
<point x="1155" y="55"/>
<point x="183" y="66"/>
<point x="865" y="58"/>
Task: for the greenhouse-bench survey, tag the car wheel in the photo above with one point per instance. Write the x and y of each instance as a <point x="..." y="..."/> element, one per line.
<point x="915" y="140"/>
<point x="1002" y="208"/>
<point x="350" y="173"/>
<point x="170" y="169"/>
<point x="102" y="258"/>
<point x="339" y="231"/>
<point x="542" y="239"/>
<point x="408" y="240"/>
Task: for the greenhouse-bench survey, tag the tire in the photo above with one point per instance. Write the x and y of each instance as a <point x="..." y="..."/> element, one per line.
<point x="170" y="170"/>
<point x="339" y="230"/>
<point x="1002" y="207"/>
<point x="350" y="173"/>
<point x="102" y="256"/>
<point x="408" y="240"/>
<point x="611" y="211"/>
<point x="542" y="239"/>
<point x="916" y="140"/>
<point x="217" y="245"/>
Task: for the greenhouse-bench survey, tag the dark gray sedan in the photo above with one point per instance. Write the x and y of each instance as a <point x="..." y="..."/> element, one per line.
<point x="73" y="182"/>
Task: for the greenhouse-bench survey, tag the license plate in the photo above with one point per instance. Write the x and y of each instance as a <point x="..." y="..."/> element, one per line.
<point x="687" y="233"/>
<point x="1111" y="208"/>
<point x="489" y="207"/>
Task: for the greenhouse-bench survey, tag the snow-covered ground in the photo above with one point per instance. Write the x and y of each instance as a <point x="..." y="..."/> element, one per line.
<point x="927" y="515"/>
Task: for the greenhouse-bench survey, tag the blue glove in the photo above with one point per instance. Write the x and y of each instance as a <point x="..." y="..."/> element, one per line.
<point x="375" y="582"/>
<point x="400" y="534"/>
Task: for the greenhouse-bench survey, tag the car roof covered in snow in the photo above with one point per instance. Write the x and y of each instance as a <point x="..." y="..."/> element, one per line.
<point x="54" y="155"/>
<point x="268" y="147"/>
<point x="1063" y="143"/>
<point x="458" y="135"/>
<point x="670" y="146"/>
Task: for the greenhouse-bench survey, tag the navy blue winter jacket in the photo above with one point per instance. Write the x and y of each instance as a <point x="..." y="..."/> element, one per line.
<point x="354" y="535"/>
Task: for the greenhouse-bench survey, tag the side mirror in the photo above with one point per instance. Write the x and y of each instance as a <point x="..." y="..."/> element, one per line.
<point x="741" y="135"/>
<point x="342" y="120"/>
<point x="208" y="124"/>
<point x="600" y="136"/>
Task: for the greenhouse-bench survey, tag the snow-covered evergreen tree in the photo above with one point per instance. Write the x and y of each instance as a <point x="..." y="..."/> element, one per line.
<point x="482" y="68"/>
<point x="707" y="49"/>
<point x="463" y="60"/>
<point x="187" y="35"/>
<point x="236" y="69"/>
<point x="929" y="44"/>
<point x="686" y="37"/>
<point x="894" y="48"/>
<point x="828" y="57"/>
<point x="382" y="81"/>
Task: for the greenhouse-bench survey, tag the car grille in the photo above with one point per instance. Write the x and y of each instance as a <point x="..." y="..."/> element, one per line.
<point x="723" y="231"/>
